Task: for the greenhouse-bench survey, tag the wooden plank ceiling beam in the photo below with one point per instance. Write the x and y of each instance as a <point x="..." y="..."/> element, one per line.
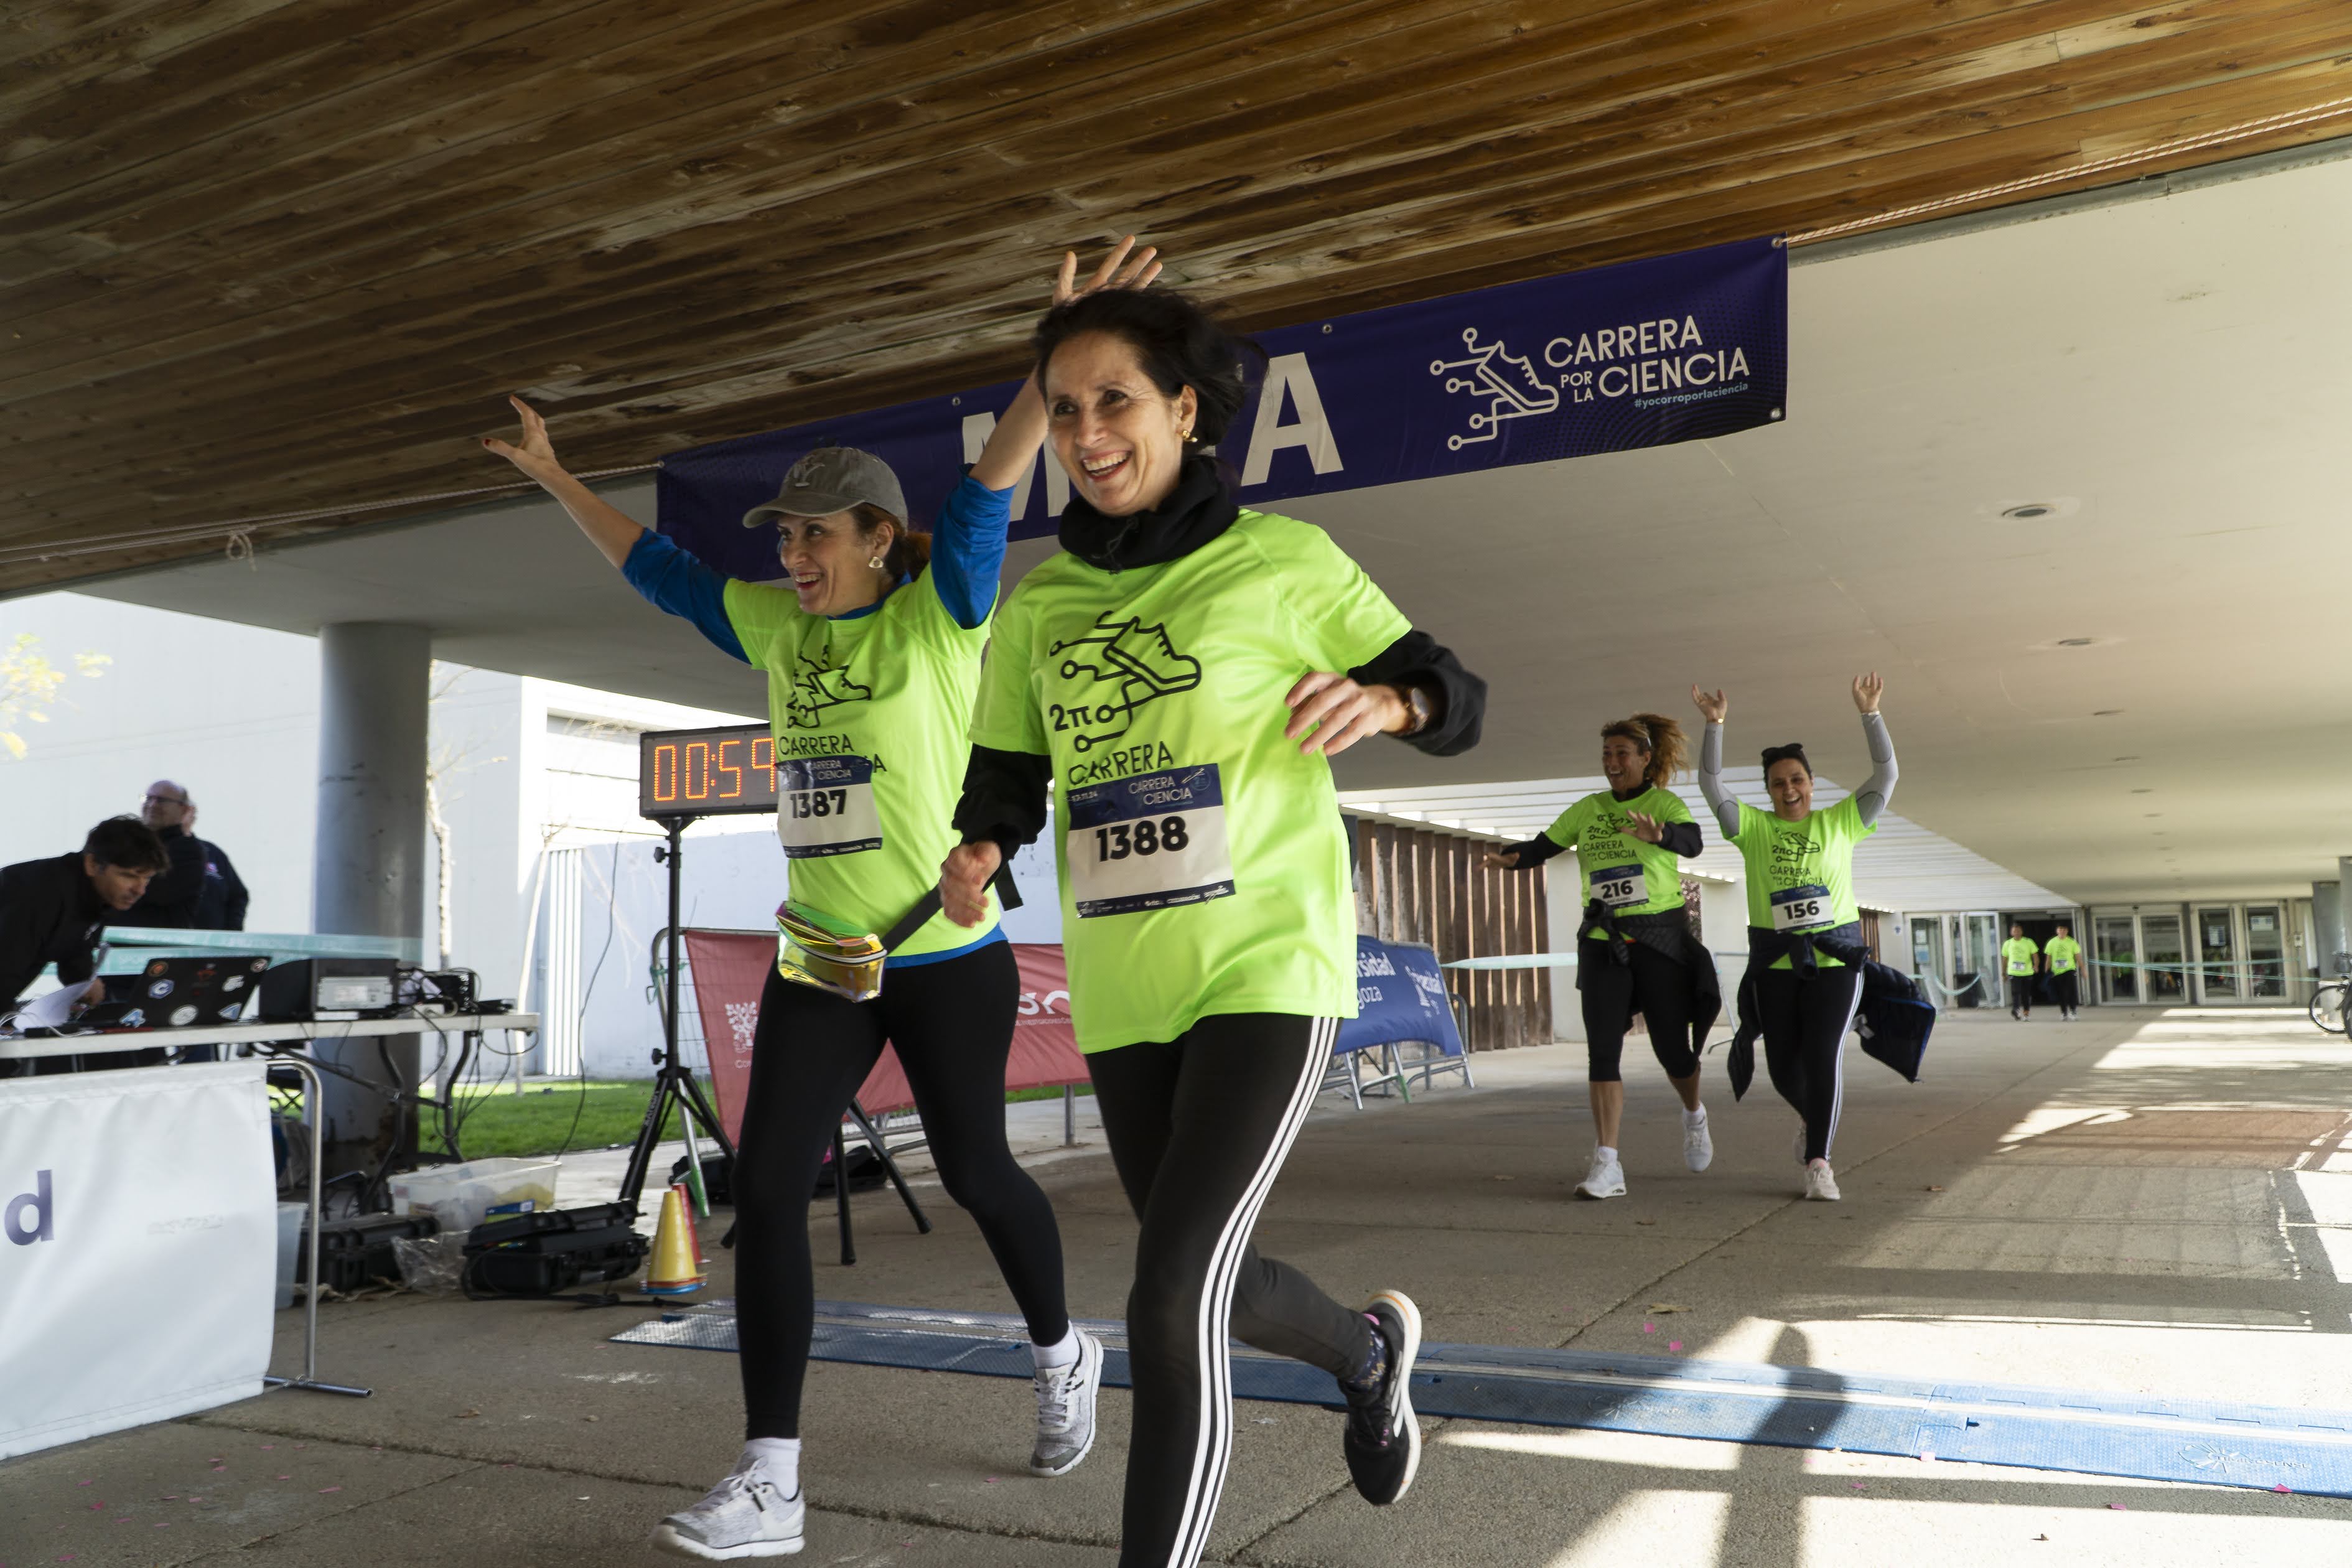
<point x="256" y="257"/>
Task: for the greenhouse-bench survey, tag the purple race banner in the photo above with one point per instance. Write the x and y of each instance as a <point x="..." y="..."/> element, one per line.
<point x="1645" y="353"/>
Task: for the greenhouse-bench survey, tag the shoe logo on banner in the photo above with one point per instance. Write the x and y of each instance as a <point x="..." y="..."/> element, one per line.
<point x="1506" y="381"/>
<point x="1137" y="660"/>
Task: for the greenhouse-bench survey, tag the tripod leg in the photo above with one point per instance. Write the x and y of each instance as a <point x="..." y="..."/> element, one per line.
<point x="841" y="1195"/>
<point x="882" y="1152"/>
<point x="691" y="1089"/>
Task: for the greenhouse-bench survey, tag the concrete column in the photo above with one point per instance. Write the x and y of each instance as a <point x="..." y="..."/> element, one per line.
<point x="2329" y="918"/>
<point x="370" y="878"/>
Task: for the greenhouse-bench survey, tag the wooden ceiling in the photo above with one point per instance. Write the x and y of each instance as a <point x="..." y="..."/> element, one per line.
<point x="263" y="255"/>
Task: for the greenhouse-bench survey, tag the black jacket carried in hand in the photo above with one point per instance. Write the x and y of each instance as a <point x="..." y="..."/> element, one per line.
<point x="174" y="897"/>
<point x="49" y="913"/>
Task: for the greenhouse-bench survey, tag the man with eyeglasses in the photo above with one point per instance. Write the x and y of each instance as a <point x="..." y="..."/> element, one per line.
<point x="175" y="898"/>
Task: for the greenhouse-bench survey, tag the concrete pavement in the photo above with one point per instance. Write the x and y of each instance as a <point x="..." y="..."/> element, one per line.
<point x="2138" y="1202"/>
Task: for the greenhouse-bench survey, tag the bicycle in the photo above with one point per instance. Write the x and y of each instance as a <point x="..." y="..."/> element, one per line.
<point x="2330" y="1003"/>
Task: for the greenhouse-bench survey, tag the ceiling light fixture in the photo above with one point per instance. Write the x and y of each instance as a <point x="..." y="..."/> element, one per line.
<point x="2028" y="511"/>
<point x="2076" y="642"/>
<point x="2104" y="712"/>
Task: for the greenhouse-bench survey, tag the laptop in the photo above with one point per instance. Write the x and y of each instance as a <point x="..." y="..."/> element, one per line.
<point x="186" y="992"/>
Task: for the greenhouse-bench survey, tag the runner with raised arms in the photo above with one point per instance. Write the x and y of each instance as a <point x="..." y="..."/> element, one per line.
<point x="872" y="650"/>
<point x="1634" y="951"/>
<point x="1804" y="930"/>
<point x="1141" y="681"/>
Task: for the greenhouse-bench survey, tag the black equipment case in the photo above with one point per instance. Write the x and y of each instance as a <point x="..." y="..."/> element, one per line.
<point x="357" y="1251"/>
<point x="551" y="1251"/>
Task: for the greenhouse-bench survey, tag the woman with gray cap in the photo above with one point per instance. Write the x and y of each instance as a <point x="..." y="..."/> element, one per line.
<point x="871" y="648"/>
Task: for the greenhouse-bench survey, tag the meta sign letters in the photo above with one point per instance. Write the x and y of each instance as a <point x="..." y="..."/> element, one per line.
<point x="1643" y="354"/>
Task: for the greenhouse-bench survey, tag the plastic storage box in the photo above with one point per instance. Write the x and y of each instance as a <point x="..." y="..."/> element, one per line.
<point x="462" y="1196"/>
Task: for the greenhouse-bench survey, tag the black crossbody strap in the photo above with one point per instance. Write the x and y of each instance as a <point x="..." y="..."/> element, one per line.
<point x="1008" y="897"/>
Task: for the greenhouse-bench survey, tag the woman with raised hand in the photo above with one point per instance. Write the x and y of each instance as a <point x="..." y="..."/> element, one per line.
<point x="1804" y="932"/>
<point x="1634" y="951"/>
<point x="1175" y="682"/>
<point x="891" y="626"/>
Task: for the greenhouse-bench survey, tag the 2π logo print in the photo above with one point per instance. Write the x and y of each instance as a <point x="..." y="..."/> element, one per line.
<point x="1129" y="665"/>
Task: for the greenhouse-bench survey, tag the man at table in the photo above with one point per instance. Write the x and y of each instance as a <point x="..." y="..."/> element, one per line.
<point x="53" y="910"/>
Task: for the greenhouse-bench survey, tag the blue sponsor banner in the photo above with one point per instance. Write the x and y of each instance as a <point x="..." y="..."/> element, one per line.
<point x="1399" y="995"/>
<point x="1645" y="353"/>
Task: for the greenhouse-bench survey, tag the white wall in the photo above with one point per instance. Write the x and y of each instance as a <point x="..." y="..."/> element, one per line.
<point x="229" y="711"/>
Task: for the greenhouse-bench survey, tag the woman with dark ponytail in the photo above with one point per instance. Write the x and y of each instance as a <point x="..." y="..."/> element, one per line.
<point x="1175" y="683"/>
<point x="1634" y="951"/>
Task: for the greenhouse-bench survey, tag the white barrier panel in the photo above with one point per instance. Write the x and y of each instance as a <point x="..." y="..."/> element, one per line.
<point x="137" y="1247"/>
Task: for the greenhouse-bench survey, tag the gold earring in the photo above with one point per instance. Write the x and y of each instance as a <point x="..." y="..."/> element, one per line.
<point x="876" y="563"/>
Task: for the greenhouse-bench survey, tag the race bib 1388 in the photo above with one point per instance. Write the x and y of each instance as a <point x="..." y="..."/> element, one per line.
<point x="1148" y="842"/>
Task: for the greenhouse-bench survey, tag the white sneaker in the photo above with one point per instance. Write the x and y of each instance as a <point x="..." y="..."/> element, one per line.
<point x="1605" y="1180"/>
<point x="1065" y="1410"/>
<point x="1698" y="1146"/>
<point x="742" y="1516"/>
<point x="1820" y="1183"/>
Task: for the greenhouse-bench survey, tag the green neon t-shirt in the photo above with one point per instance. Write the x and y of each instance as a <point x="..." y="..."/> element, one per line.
<point x="2018" y="953"/>
<point x="1630" y="876"/>
<point x="1800" y="874"/>
<point x="1204" y="864"/>
<point x="868" y="713"/>
<point x="2064" y="953"/>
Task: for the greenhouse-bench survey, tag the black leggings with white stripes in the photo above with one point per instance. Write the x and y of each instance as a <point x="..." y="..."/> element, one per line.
<point x="1805" y="1021"/>
<point x="1199" y="1127"/>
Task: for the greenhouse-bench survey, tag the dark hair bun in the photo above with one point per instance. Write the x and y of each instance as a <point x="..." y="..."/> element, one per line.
<point x="1180" y="344"/>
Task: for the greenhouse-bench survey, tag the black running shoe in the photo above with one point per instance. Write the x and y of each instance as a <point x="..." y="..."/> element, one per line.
<point x="1383" y="1440"/>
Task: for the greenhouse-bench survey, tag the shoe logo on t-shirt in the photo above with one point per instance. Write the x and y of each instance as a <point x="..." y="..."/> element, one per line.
<point x="1135" y="659"/>
<point x="817" y="686"/>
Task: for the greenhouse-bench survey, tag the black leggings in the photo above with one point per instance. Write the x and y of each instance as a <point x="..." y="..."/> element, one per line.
<point x="1805" y="1023"/>
<point x="952" y="1024"/>
<point x="1199" y="1127"/>
<point x="2021" y="994"/>
<point x="2065" y="991"/>
<point x="1652" y="986"/>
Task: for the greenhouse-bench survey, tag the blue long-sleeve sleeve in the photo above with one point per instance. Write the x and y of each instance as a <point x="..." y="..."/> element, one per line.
<point x="674" y="580"/>
<point x="968" y="550"/>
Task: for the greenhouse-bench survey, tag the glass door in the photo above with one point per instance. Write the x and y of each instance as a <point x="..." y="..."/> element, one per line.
<point x="2116" y="951"/>
<point x="2161" y="957"/>
<point x="2217" y="955"/>
<point x="1927" y="948"/>
<point x="1984" y="956"/>
<point x="2265" y="951"/>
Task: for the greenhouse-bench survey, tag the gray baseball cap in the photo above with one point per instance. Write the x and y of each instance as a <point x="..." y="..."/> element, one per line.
<point x="831" y="479"/>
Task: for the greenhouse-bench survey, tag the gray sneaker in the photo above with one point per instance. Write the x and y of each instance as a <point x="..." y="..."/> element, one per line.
<point x="742" y="1516"/>
<point x="1065" y="1410"/>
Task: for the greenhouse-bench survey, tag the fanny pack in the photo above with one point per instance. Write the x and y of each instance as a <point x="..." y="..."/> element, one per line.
<point x="837" y="956"/>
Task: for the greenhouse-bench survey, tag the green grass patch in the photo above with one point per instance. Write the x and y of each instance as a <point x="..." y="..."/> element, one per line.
<point x="499" y="1123"/>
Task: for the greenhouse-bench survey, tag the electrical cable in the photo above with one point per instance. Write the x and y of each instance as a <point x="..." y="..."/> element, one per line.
<point x="611" y="923"/>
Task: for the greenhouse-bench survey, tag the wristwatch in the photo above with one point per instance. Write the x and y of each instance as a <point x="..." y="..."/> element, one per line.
<point x="1422" y="710"/>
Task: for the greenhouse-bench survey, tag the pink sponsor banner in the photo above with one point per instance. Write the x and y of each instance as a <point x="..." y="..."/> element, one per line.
<point x="729" y="969"/>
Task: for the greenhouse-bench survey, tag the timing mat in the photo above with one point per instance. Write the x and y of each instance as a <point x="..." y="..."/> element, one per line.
<point x="2136" y="1435"/>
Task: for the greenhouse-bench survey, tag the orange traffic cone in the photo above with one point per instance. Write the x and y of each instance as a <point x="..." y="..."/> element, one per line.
<point x="693" y="1230"/>
<point x="673" y="1271"/>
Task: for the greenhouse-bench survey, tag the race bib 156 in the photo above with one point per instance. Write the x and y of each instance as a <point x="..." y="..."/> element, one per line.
<point x="1148" y="842"/>
<point x="825" y="806"/>
<point x="1800" y="909"/>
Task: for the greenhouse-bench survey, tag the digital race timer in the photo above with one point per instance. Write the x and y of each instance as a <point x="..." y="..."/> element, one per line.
<point x="707" y="773"/>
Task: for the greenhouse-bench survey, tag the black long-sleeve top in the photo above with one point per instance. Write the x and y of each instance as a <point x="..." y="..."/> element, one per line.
<point x="49" y="913"/>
